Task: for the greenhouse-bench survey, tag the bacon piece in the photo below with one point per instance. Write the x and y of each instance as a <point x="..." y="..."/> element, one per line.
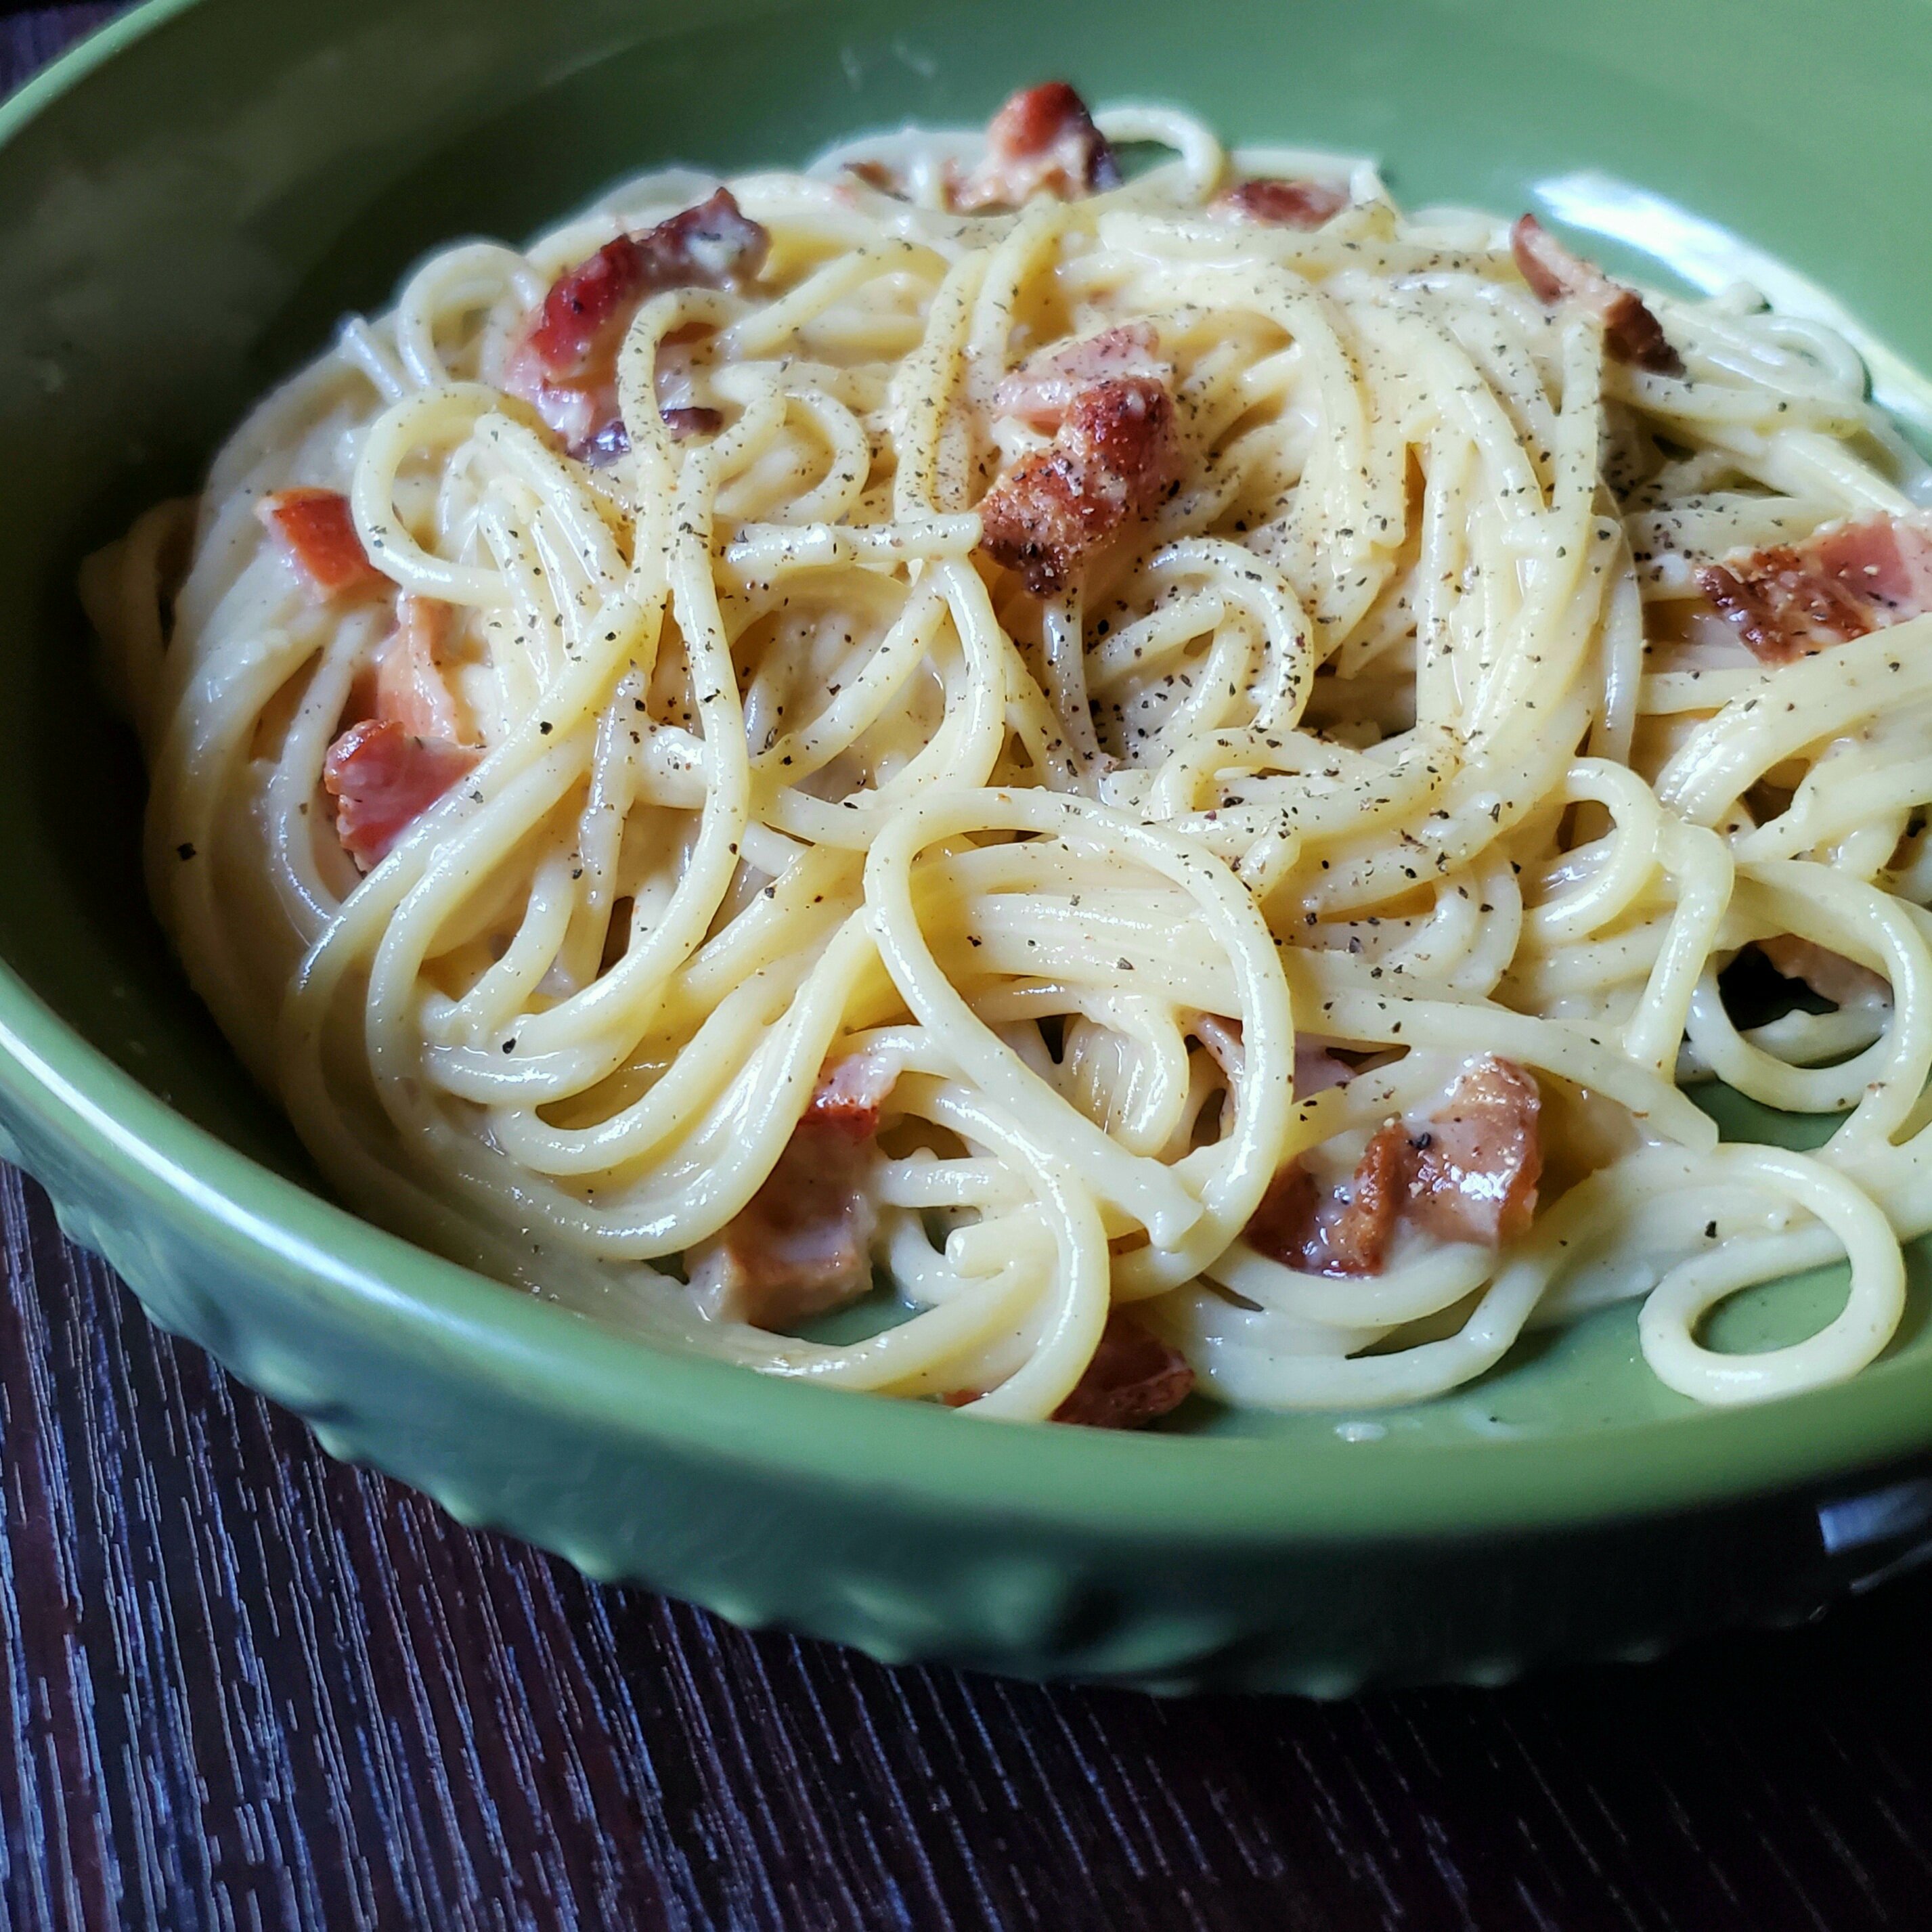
<point x="604" y="445"/>
<point x="1134" y="1378"/>
<point x="1781" y="610"/>
<point x="1789" y="600"/>
<point x="1469" y="1173"/>
<point x="613" y="440"/>
<point x="1316" y="1069"/>
<point x="1285" y="204"/>
<point x="1347" y="1235"/>
<point x="583" y="303"/>
<point x="1830" y="975"/>
<point x="692" y="419"/>
<point x="1043" y="140"/>
<point x="1887" y="560"/>
<point x="410" y="689"/>
<point x="1355" y="1236"/>
<point x="850" y="1092"/>
<point x="712" y="245"/>
<point x="1115" y="459"/>
<point x="1474" y="1167"/>
<point x="1042" y="389"/>
<point x="1287" y="1224"/>
<point x="876" y="175"/>
<point x="317" y="529"/>
<point x="565" y="365"/>
<point x="382" y="780"/>
<point x="801" y="1245"/>
<point x="1631" y="333"/>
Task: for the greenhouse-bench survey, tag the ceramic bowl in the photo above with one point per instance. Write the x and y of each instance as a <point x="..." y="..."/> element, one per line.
<point x="188" y="201"/>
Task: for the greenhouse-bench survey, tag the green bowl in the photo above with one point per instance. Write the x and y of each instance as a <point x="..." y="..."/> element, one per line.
<point x="188" y="201"/>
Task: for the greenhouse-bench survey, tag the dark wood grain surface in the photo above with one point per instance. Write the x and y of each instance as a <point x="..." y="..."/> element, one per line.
<point x="246" y="1687"/>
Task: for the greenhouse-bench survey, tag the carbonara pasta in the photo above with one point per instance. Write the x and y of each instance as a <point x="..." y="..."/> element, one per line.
<point x="1145" y="777"/>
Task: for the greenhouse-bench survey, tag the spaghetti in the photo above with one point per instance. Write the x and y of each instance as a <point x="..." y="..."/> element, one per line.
<point x="1172" y="763"/>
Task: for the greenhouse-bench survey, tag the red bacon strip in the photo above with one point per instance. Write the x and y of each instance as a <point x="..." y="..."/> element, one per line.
<point x="566" y="364"/>
<point x="1631" y="333"/>
<point x="317" y="529"/>
<point x="1306" y="205"/>
<point x="1115" y="460"/>
<point x="1791" y="600"/>
<point x="1133" y="1379"/>
<point x="1469" y="1173"/>
<point x="1043" y="141"/>
<point x="382" y="780"/>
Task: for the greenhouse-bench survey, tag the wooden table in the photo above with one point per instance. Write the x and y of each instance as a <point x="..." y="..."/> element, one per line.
<point x="246" y="1687"/>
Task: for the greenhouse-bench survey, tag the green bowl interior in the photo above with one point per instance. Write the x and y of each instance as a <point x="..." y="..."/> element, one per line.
<point x="182" y="222"/>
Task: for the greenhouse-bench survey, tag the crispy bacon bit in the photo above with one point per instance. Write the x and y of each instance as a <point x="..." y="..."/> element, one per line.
<point x="1134" y="1378"/>
<point x="382" y="780"/>
<point x="1474" y="1168"/>
<point x="1631" y="333"/>
<point x="1285" y="204"/>
<point x="1830" y="975"/>
<point x="410" y="689"/>
<point x="1789" y="600"/>
<point x="1469" y="1173"/>
<point x="1042" y="389"/>
<point x="566" y="364"/>
<point x="318" y="531"/>
<point x="802" y="1245"/>
<point x="851" y="1090"/>
<point x="1115" y="459"/>
<point x="1043" y="140"/>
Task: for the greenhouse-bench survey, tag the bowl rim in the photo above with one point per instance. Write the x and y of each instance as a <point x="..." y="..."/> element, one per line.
<point x="1242" y="1489"/>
